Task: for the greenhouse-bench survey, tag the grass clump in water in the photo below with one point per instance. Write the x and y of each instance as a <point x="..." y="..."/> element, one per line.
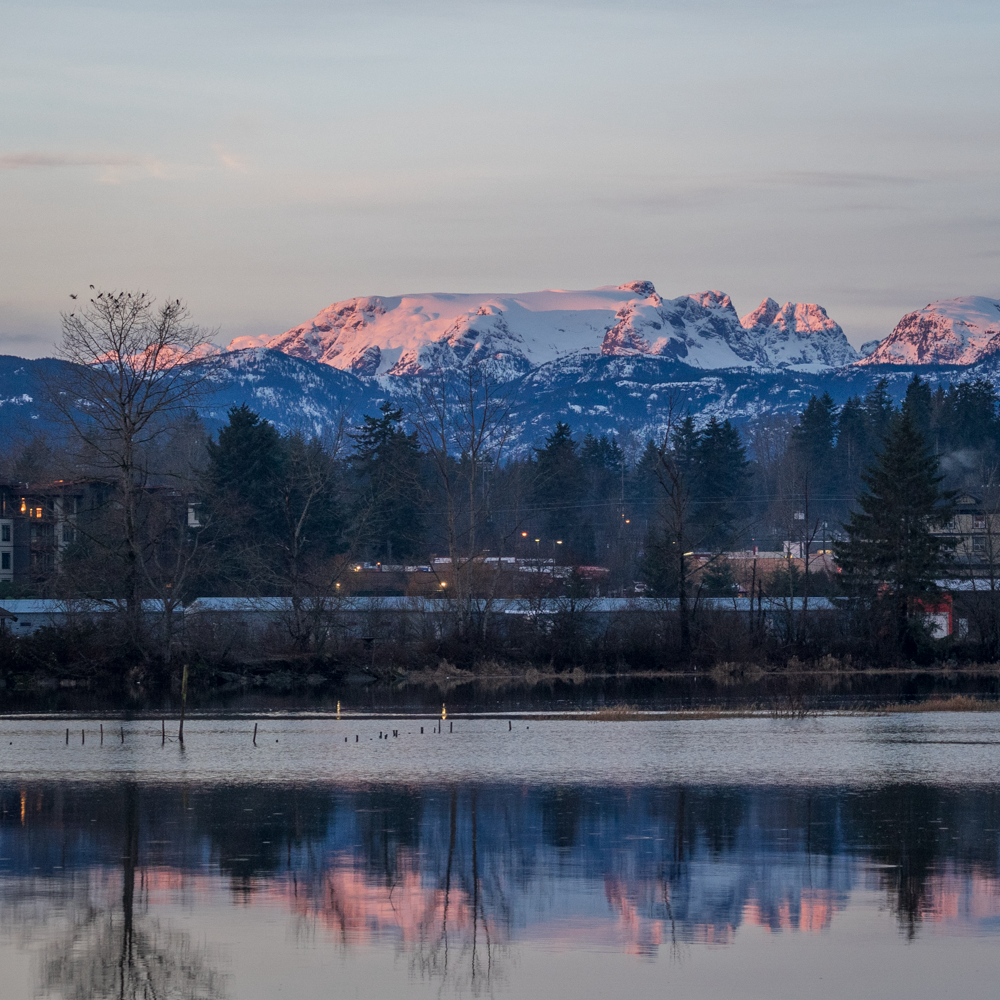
<point x="956" y="703"/>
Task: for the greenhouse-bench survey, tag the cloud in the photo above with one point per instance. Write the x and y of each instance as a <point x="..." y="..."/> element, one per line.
<point x="112" y="166"/>
<point x="229" y="161"/>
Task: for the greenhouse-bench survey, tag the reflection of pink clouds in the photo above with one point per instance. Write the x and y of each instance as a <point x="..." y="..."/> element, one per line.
<point x="357" y="908"/>
<point x="360" y="910"/>
<point x="815" y="912"/>
<point x="637" y="935"/>
<point x="959" y="902"/>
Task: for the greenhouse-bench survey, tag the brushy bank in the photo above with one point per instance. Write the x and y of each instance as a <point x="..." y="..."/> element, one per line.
<point x="528" y="661"/>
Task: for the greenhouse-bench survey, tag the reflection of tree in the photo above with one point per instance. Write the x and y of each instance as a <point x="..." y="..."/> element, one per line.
<point x="124" y="954"/>
<point x="95" y="962"/>
<point x="562" y="811"/>
<point x="254" y="829"/>
<point x="904" y="828"/>
<point x="476" y="967"/>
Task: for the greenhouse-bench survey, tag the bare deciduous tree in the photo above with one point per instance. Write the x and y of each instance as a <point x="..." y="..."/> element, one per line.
<point x="463" y="424"/>
<point x="135" y="366"/>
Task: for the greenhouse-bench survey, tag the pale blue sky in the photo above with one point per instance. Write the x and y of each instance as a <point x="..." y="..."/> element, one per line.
<point x="262" y="160"/>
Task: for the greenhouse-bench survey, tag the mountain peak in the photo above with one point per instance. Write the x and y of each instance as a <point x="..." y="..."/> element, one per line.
<point x="405" y="335"/>
<point x="949" y="332"/>
<point x="644" y="289"/>
<point x="799" y="335"/>
<point x="763" y="315"/>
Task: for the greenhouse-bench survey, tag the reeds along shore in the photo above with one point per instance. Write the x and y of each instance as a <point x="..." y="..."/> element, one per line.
<point x="569" y="643"/>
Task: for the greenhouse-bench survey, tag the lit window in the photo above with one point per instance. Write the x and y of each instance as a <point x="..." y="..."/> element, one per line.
<point x="978" y="522"/>
<point x="38" y="512"/>
<point x="24" y="506"/>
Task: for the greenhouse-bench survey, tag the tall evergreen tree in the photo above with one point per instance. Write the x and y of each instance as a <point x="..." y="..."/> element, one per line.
<point x="852" y="451"/>
<point x="891" y="555"/>
<point x="388" y="508"/>
<point x="879" y="410"/>
<point x="719" y="481"/>
<point x="560" y="491"/>
<point x="812" y="436"/>
<point x="918" y="404"/>
<point x="812" y="450"/>
<point x="245" y="465"/>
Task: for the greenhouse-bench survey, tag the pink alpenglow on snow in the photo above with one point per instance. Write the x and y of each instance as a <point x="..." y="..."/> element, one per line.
<point x="799" y="335"/>
<point x="951" y="332"/>
<point x="408" y="334"/>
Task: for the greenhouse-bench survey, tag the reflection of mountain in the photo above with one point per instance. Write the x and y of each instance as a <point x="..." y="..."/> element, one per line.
<point x="466" y="871"/>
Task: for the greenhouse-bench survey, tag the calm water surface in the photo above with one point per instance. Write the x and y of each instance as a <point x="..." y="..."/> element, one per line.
<point x="824" y="857"/>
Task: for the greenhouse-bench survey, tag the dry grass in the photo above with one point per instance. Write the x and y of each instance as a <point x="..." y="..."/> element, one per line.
<point x="631" y="713"/>
<point x="956" y="703"/>
<point x="616" y="713"/>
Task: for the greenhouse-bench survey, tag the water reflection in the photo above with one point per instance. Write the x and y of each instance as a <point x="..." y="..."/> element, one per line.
<point x="453" y="878"/>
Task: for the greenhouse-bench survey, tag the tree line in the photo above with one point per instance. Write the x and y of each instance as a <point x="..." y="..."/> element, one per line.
<point x="437" y="472"/>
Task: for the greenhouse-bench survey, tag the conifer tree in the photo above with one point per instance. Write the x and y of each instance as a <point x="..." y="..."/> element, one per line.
<point x="244" y="467"/>
<point x="560" y="489"/>
<point x="812" y="437"/>
<point x="719" y="483"/>
<point x="891" y="555"/>
<point x="388" y="512"/>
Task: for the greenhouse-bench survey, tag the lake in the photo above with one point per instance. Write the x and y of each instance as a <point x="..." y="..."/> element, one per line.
<point x="825" y="856"/>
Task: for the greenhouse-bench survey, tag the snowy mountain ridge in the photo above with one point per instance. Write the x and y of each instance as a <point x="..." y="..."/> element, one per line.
<point x="405" y="335"/>
<point x="958" y="331"/>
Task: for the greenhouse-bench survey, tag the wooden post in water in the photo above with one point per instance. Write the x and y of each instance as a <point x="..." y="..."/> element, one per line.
<point x="163" y="729"/>
<point x="123" y="735"/>
<point x="451" y="727"/>
<point x="510" y="725"/>
<point x="184" y="698"/>
<point x="83" y="736"/>
<point x="102" y="734"/>
<point x="67" y="737"/>
<point x="255" y="734"/>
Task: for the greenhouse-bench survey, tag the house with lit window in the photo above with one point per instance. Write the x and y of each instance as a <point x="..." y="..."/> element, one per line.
<point x="974" y="533"/>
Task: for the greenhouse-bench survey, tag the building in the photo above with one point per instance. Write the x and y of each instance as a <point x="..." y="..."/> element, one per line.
<point x="38" y="523"/>
<point x="974" y="532"/>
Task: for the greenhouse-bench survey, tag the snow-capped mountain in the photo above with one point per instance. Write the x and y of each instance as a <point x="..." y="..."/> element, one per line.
<point x="409" y="334"/>
<point x="602" y="360"/>
<point x="952" y="332"/>
<point x="799" y="335"/>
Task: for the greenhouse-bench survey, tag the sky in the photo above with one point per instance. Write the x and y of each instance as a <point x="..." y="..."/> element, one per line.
<point x="261" y="160"/>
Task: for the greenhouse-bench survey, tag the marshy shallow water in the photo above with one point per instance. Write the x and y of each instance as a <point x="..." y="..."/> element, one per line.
<point x="822" y="856"/>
